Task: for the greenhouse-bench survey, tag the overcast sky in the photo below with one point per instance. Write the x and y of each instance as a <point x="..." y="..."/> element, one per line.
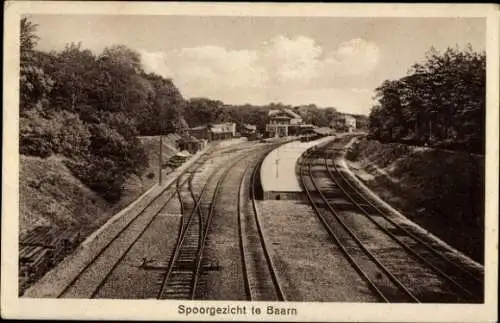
<point x="322" y="60"/>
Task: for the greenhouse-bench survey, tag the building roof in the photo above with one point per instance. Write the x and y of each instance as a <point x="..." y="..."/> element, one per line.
<point x="250" y="126"/>
<point x="217" y="127"/>
<point x="199" y="127"/>
<point x="183" y="154"/>
<point x="222" y="127"/>
<point x="188" y="138"/>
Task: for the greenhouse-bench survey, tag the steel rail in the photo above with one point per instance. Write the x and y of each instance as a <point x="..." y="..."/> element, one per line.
<point x="210" y="215"/>
<point x="248" y="291"/>
<point x="374" y="259"/>
<point x="182" y="237"/>
<point x="413" y="236"/>
<point x="271" y="266"/>
<point x="391" y="235"/>
<point x="332" y="234"/>
<point x="118" y="234"/>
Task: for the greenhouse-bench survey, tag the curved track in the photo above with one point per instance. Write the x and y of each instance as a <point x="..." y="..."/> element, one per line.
<point x="183" y="274"/>
<point x="457" y="284"/>
<point x="260" y="273"/>
<point x="380" y="280"/>
<point x="83" y="285"/>
<point x="462" y="280"/>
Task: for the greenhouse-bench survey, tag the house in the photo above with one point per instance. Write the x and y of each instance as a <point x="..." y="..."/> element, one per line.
<point x="246" y="129"/>
<point x="221" y="131"/>
<point x="200" y="132"/>
<point x="345" y="123"/>
<point x="190" y="143"/>
<point x="283" y="122"/>
<point x="216" y="131"/>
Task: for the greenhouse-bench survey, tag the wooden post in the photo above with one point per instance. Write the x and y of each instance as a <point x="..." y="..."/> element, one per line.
<point x="161" y="160"/>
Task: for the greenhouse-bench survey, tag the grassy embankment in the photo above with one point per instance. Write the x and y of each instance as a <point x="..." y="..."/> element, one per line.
<point x="442" y="191"/>
<point x="51" y="195"/>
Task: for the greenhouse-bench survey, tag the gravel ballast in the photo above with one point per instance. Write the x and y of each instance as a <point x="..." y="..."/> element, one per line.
<point x="310" y="266"/>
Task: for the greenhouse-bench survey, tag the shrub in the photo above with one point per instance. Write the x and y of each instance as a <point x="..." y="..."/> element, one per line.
<point x="73" y="135"/>
<point x="100" y="174"/>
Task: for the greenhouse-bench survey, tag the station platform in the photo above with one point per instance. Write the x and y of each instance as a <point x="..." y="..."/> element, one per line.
<point x="278" y="174"/>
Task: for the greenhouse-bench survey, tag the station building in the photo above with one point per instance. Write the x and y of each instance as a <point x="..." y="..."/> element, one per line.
<point x="285" y="122"/>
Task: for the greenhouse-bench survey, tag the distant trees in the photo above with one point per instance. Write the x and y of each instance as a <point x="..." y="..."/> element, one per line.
<point x="440" y="103"/>
<point x="248" y="113"/>
<point x="317" y="116"/>
<point x="201" y="111"/>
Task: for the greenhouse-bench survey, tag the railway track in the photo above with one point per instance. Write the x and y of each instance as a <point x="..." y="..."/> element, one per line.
<point x="407" y="261"/>
<point x="185" y="268"/>
<point x="182" y="273"/>
<point x="260" y="274"/>
<point x="190" y="235"/>
<point x="379" y="279"/>
<point x="91" y="277"/>
<point x="463" y="281"/>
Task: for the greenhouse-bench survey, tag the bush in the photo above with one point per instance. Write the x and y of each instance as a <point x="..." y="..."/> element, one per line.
<point x="57" y="132"/>
<point x="73" y="136"/>
<point x="151" y="175"/>
<point x="101" y="175"/>
<point x="37" y="135"/>
<point x="110" y="160"/>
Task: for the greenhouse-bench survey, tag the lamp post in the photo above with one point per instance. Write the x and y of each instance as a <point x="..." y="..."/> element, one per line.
<point x="277" y="162"/>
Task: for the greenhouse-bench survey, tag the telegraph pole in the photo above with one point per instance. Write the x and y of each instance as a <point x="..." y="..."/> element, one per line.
<point x="161" y="160"/>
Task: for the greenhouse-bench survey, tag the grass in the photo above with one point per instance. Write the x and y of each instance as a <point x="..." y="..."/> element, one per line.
<point x="442" y="191"/>
<point x="50" y="195"/>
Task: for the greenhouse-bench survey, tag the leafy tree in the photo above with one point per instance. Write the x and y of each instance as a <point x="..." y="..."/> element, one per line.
<point x="28" y="37"/>
<point x="200" y="111"/>
<point x="441" y="102"/>
<point x="164" y="107"/>
<point x="35" y="85"/>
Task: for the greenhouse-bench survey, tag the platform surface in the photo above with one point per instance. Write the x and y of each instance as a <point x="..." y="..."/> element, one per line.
<point x="277" y="173"/>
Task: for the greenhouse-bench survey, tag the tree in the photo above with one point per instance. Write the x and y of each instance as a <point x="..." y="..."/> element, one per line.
<point x="74" y="72"/>
<point x="28" y="37"/>
<point x="441" y="102"/>
<point x="34" y="84"/>
<point x="200" y="111"/>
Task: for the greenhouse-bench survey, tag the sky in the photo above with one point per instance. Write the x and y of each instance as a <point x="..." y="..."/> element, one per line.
<point x="327" y="61"/>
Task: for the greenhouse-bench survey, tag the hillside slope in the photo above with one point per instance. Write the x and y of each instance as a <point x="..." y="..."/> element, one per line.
<point x="50" y="195"/>
<point x="440" y="190"/>
<point x="53" y="199"/>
